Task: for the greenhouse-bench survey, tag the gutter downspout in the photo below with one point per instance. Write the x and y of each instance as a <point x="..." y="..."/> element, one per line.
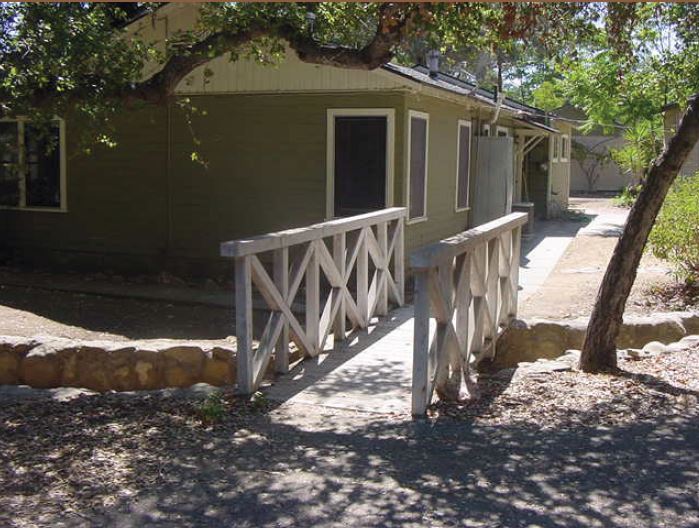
<point x="498" y="105"/>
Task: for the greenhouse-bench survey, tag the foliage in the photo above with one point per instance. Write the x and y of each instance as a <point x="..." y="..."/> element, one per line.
<point x="628" y="196"/>
<point x="675" y="236"/>
<point x="79" y="59"/>
<point x="212" y="409"/>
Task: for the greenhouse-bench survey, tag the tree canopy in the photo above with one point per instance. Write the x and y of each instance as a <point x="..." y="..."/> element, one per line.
<point x="57" y="58"/>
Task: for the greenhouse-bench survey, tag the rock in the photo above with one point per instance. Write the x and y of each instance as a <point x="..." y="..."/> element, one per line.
<point x="134" y="369"/>
<point x="12" y="352"/>
<point x="541" y="339"/>
<point x="218" y="368"/>
<point x="637" y="332"/>
<point x="654" y="347"/>
<point x="690" y="341"/>
<point x="41" y="367"/>
<point x="690" y="321"/>
<point x="182" y="365"/>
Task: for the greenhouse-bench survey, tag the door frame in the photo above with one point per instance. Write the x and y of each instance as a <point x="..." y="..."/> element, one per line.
<point x="332" y="113"/>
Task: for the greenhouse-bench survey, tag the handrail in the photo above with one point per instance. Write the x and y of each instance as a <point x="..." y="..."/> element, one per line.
<point x="432" y="254"/>
<point x="468" y="284"/>
<point x="290" y="237"/>
<point x="360" y="257"/>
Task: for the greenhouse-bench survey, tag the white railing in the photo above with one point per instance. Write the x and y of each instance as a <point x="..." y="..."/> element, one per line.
<point x="351" y="269"/>
<point x="468" y="283"/>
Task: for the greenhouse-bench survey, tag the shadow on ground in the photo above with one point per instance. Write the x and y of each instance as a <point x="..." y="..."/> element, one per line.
<point x="140" y="465"/>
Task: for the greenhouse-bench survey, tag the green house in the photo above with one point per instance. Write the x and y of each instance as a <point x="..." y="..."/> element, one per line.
<point x="280" y="146"/>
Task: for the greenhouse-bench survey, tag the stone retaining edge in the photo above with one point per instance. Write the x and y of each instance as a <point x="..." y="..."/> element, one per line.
<point x="48" y="362"/>
<point x="548" y="339"/>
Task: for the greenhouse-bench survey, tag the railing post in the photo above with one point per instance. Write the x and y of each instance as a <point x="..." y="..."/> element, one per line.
<point x="422" y="390"/>
<point x="243" y="325"/>
<point x="399" y="260"/>
<point x="281" y="280"/>
<point x="339" y="256"/>
<point x="382" y="239"/>
<point x="363" y="280"/>
<point x="514" y="269"/>
<point x="313" y="300"/>
<point x="493" y="282"/>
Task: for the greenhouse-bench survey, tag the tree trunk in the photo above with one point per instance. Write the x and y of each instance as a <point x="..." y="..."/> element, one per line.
<point x="599" y="348"/>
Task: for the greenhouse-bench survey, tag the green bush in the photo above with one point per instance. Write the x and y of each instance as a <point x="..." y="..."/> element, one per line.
<point x="675" y="237"/>
<point x="628" y="196"/>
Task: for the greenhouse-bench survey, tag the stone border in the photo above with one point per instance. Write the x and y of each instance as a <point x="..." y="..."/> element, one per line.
<point x="47" y="362"/>
<point x="545" y="339"/>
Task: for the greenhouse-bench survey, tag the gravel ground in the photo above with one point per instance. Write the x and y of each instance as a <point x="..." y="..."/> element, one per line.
<point x="559" y="449"/>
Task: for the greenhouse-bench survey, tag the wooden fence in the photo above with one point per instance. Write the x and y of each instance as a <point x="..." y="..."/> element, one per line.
<point x="351" y="269"/>
<point x="468" y="283"/>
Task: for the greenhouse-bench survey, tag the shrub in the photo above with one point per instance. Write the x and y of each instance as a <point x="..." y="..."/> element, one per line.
<point x="628" y="196"/>
<point x="675" y="237"/>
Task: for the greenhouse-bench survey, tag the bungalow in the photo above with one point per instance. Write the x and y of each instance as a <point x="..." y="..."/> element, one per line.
<point x="280" y="146"/>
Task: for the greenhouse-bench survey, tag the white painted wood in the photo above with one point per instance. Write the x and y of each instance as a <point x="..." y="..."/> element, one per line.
<point x="313" y="301"/>
<point x="326" y="310"/>
<point x="292" y="237"/>
<point x="332" y="113"/>
<point x="422" y="384"/>
<point x="281" y="280"/>
<point x="468" y="285"/>
<point x="430" y="256"/>
<point x="339" y="259"/>
<point x="243" y="324"/>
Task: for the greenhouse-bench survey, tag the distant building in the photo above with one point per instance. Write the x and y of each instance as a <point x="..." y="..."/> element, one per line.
<point x="592" y="169"/>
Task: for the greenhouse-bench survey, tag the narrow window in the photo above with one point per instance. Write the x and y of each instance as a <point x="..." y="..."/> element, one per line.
<point x="43" y="166"/>
<point x="9" y="164"/>
<point x="31" y="165"/>
<point x="417" y="165"/>
<point x="485" y="130"/>
<point x="565" y="147"/>
<point x="463" y="164"/>
<point x="554" y="148"/>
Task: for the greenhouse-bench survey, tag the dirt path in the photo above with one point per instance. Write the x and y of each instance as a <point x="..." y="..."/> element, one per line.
<point x="27" y="311"/>
<point x="571" y="288"/>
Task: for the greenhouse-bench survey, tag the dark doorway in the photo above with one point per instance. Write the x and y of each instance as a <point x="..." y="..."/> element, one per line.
<point x="360" y="164"/>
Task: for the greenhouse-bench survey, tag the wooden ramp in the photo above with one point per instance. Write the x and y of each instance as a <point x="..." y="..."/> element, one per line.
<point x="369" y="372"/>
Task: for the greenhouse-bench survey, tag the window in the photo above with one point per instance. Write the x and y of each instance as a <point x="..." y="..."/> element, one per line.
<point x="565" y="147"/>
<point x="418" y="137"/>
<point x="32" y="166"/>
<point x="554" y="147"/>
<point x="463" y="164"/>
<point x="502" y="131"/>
<point x="485" y="131"/>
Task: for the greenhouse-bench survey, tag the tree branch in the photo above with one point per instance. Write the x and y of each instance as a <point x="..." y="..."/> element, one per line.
<point x="394" y="20"/>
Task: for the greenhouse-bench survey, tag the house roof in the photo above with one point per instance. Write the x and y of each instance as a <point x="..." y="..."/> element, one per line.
<point x="524" y="113"/>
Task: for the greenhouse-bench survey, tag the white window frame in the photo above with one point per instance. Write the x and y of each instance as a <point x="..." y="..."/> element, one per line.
<point x="499" y="129"/>
<point x="555" y="142"/>
<point x="460" y="123"/>
<point x="63" y="188"/>
<point x="331" y="114"/>
<point x="426" y="117"/>
<point x="565" y="148"/>
<point x="485" y="130"/>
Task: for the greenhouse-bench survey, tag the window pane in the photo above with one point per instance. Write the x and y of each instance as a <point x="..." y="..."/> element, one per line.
<point x="464" y="164"/>
<point x="43" y="166"/>
<point x="418" y="166"/>
<point x="9" y="169"/>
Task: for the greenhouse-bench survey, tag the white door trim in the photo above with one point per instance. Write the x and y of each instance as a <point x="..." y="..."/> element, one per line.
<point x="332" y="113"/>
